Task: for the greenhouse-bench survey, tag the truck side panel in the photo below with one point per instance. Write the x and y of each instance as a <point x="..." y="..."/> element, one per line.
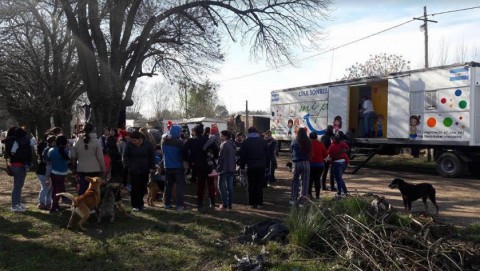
<point x="476" y="103"/>
<point x="300" y="107"/>
<point x="398" y="97"/>
<point x="338" y="105"/>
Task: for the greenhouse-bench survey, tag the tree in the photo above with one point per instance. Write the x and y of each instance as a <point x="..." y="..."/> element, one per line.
<point x="221" y="112"/>
<point x="200" y="100"/>
<point x="377" y="65"/>
<point x="38" y="71"/>
<point x="162" y="99"/>
<point x="120" y="41"/>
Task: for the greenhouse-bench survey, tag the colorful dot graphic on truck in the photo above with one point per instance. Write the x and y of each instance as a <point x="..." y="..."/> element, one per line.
<point x="431" y="122"/>
<point x="452" y="101"/>
<point x="447" y="122"/>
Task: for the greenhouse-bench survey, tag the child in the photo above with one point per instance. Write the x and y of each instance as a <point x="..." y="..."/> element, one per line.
<point x="59" y="157"/>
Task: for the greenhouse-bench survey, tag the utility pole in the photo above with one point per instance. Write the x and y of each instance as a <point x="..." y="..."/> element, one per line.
<point x="424" y="27"/>
<point x="246" y="116"/>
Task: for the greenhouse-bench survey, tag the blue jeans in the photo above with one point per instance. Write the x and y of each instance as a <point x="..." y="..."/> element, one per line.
<point x="225" y="186"/>
<point x="300" y="168"/>
<point x="338" y="168"/>
<point x="45" y="194"/>
<point x="19" y="174"/>
<point x="368" y="123"/>
<point x="176" y="176"/>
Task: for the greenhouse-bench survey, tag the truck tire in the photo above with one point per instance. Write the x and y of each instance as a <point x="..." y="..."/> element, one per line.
<point x="449" y="165"/>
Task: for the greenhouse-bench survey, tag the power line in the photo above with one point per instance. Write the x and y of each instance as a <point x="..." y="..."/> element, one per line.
<point x="450" y="11"/>
<point x="320" y="53"/>
<point x="343" y="45"/>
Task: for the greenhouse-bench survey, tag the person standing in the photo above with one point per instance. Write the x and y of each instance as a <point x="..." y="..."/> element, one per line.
<point x="103" y="138"/>
<point x="253" y="157"/>
<point x="271" y="158"/>
<point x="88" y="153"/>
<point x="317" y="161"/>
<point x="122" y="145"/>
<point x="326" y="140"/>
<point x="301" y="149"/>
<point x="173" y="162"/>
<point x="45" y="194"/>
<point x="116" y="163"/>
<point x="139" y="158"/>
<point x="198" y="161"/>
<point x="226" y="169"/>
<point x="368" y="117"/>
<point x="59" y="158"/>
<point x="238" y="144"/>
<point x="338" y="154"/>
<point x="19" y="151"/>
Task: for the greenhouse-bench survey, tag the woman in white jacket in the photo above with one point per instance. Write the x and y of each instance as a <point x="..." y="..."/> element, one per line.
<point x="88" y="153"/>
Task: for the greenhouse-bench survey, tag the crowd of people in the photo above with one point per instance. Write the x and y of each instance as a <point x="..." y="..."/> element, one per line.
<point x="311" y="161"/>
<point x="215" y="159"/>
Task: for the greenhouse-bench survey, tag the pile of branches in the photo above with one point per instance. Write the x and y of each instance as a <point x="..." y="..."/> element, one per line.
<point x="376" y="243"/>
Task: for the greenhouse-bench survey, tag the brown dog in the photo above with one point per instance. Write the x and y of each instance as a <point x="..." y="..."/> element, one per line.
<point x="84" y="203"/>
<point x="153" y="190"/>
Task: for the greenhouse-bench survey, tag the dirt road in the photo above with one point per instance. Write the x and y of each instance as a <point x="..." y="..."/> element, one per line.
<point x="459" y="199"/>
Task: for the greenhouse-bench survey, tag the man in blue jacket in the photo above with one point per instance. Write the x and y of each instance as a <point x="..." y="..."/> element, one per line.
<point x="173" y="163"/>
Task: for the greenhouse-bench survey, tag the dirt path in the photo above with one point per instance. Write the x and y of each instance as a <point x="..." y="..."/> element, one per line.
<point x="459" y="199"/>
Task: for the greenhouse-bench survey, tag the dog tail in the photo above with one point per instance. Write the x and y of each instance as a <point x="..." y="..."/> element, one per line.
<point x="67" y="195"/>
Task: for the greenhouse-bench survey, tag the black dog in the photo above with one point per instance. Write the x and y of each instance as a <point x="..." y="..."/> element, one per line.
<point x="412" y="192"/>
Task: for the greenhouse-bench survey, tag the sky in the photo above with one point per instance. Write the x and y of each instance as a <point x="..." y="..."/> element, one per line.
<point x="353" y="20"/>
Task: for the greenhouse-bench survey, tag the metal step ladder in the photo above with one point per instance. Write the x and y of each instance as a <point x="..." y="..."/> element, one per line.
<point x="360" y="156"/>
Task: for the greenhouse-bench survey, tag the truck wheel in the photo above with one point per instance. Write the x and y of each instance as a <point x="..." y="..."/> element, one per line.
<point x="449" y="165"/>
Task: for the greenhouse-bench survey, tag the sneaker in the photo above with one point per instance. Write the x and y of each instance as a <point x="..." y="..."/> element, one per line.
<point x="55" y="210"/>
<point x="292" y="202"/>
<point x="300" y="205"/>
<point x="167" y="206"/>
<point x="260" y="206"/>
<point x="136" y="210"/>
<point x="23" y="206"/>
<point x="333" y="189"/>
<point x="18" y="208"/>
<point x="181" y="208"/>
<point x="221" y="207"/>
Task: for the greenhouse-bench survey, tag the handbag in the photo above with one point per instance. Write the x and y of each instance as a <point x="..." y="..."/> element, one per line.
<point x="8" y="168"/>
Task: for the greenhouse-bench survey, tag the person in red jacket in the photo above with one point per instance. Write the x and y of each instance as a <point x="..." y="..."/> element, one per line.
<point x="317" y="160"/>
<point x="338" y="154"/>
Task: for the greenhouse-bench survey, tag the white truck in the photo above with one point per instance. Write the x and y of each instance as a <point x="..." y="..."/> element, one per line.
<point x="437" y="108"/>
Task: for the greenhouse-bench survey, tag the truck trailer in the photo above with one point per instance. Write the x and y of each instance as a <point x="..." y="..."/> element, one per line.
<point x="436" y="108"/>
